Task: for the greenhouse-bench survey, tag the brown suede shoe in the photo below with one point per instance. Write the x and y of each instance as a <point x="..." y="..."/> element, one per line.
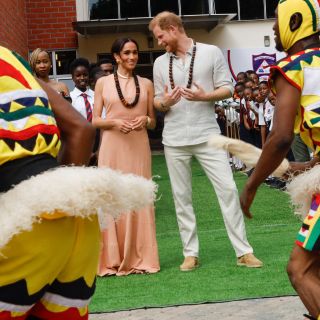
<point x="250" y="261"/>
<point x="189" y="264"/>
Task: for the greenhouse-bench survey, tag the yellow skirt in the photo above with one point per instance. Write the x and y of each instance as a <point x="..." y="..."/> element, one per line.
<point x="50" y="271"/>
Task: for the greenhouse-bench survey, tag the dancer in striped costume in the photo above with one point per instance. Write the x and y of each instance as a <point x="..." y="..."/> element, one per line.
<point x="48" y="272"/>
<point x="295" y="80"/>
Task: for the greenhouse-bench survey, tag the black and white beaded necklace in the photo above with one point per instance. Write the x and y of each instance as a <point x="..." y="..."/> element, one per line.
<point x="189" y="84"/>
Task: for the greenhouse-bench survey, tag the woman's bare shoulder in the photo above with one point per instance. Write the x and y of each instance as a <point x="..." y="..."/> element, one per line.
<point x="105" y="80"/>
<point x="145" y="81"/>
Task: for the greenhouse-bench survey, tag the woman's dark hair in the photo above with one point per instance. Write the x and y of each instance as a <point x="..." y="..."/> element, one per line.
<point x="103" y="61"/>
<point x="96" y="72"/>
<point x="83" y="62"/>
<point x="118" y="45"/>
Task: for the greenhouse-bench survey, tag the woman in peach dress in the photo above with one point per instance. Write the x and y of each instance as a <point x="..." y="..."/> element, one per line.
<point x="129" y="244"/>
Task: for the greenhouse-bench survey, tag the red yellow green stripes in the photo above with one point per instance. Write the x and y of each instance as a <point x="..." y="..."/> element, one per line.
<point x="301" y="71"/>
<point x="26" y="112"/>
<point x="30" y="132"/>
<point x="278" y="68"/>
<point x="309" y="234"/>
<point x="27" y="123"/>
<point x="313" y="14"/>
<point x="10" y="71"/>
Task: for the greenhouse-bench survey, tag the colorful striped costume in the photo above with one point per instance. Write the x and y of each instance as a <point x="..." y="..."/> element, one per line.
<point x="27" y="124"/>
<point x="302" y="71"/>
<point x="297" y="26"/>
<point x="48" y="272"/>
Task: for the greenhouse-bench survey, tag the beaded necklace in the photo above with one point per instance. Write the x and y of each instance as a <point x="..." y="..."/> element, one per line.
<point x="194" y="49"/>
<point x="123" y="100"/>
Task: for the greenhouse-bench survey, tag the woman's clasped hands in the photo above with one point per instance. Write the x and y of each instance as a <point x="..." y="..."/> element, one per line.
<point x="137" y="124"/>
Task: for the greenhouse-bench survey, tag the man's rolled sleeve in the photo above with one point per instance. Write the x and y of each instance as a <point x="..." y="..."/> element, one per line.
<point x="221" y="73"/>
<point x="158" y="81"/>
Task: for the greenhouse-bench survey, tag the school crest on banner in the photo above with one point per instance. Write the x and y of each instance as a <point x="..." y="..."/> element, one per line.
<point x="261" y="63"/>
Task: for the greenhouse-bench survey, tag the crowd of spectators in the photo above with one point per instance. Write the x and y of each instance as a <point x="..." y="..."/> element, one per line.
<point x="248" y="116"/>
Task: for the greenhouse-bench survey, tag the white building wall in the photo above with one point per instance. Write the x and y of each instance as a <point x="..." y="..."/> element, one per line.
<point x="239" y="41"/>
<point x="243" y="34"/>
<point x="235" y="34"/>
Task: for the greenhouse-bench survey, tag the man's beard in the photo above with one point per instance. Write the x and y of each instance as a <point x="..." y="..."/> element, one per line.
<point x="279" y="46"/>
<point x="172" y="47"/>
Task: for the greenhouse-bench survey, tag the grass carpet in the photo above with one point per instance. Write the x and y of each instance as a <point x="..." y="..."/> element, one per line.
<point x="271" y="233"/>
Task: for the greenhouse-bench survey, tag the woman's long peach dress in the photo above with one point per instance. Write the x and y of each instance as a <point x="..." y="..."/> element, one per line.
<point x="129" y="244"/>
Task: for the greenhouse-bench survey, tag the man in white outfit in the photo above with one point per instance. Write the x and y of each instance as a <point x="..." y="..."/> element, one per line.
<point x="188" y="79"/>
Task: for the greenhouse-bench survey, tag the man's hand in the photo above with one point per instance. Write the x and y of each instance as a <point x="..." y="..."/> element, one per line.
<point x="170" y="99"/>
<point x="194" y="95"/>
<point x="296" y="168"/>
<point x="246" y="199"/>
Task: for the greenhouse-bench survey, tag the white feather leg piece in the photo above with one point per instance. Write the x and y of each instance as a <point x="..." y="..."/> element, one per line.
<point x="302" y="188"/>
<point x="246" y="152"/>
<point x="76" y="191"/>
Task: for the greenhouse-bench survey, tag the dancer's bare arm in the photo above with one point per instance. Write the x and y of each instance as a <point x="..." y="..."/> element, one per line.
<point x="278" y="142"/>
<point x="298" y="167"/>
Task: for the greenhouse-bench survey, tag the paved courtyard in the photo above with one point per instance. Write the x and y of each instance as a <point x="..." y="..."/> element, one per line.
<point x="284" y="308"/>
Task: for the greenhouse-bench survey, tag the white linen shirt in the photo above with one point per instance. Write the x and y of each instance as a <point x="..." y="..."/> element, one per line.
<point x="191" y="122"/>
<point x="78" y="101"/>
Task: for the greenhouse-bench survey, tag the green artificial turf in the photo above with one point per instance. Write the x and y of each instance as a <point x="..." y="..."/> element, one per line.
<point x="271" y="233"/>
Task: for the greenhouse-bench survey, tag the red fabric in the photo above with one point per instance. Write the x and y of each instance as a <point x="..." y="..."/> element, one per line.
<point x="7" y="69"/>
<point x="41" y="312"/>
<point x="275" y="68"/>
<point x="30" y="132"/>
<point x="6" y="315"/>
<point x="317" y="198"/>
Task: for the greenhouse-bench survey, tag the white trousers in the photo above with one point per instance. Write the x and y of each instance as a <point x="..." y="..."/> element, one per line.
<point x="216" y="166"/>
